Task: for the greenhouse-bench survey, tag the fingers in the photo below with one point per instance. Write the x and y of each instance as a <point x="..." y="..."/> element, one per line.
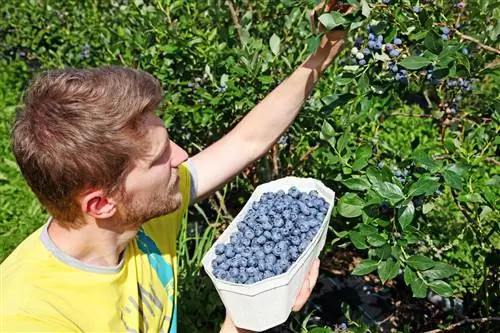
<point x="307" y="286"/>
<point x="314" y="273"/>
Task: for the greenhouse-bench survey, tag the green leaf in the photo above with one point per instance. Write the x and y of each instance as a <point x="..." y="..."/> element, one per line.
<point x="419" y="288"/>
<point x="420" y="262"/>
<point x="440" y="271"/>
<point x="327" y="131"/>
<point x="365" y="266"/>
<point x="388" y="269"/>
<point x="358" y="240"/>
<point x="389" y="191"/>
<point x="365" y="8"/>
<point x="357" y="184"/>
<point x="363" y="154"/>
<point x="366" y="229"/>
<point x="373" y="175"/>
<point x="414" y="62"/>
<point x="427" y="207"/>
<point x="409" y="276"/>
<point x="442" y="288"/>
<point x="453" y="179"/>
<point x="423" y="158"/>
<point x="383" y="252"/>
<point x="350" y="205"/>
<point x="433" y="43"/>
<point x="425" y="185"/>
<point x="332" y="20"/>
<point x="405" y="215"/>
<point x="274" y="43"/>
<point x="376" y="240"/>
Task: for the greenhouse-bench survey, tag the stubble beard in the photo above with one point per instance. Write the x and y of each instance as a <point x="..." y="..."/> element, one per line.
<point x="137" y="211"/>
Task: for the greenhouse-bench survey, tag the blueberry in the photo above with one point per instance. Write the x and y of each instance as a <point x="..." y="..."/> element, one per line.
<point x="278" y="222"/>
<point x="261" y="265"/>
<point x="267" y="226"/>
<point x="268" y="247"/>
<point x="362" y="62"/>
<point x="229" y="252"/>
<point x="247" y="252"/>
<point x="398" y="41"/>
<point x="234" y="272"/>
<point x="223" y="275"/>
<point x="366" y="51"/>
<point x="281" y="266"/>
<point x="444" y="36"/>
<point x="276" y="235"/>
<point x="261" y="254"/>
<point x="224" y="266"/>
<point x="252" y="262"/>
<point x="220" y="249"/>
<point x="246" y="241"/>
<point x="252" y="271"/>
<point x="380" y="38"/>
<point x="403" y="72"/>
<point x="389" y="47"/>
<point x="268" y="274"/>
<point x="250" y="280"/>
<point x="270" y="258"/>
<point x="303" y="246"/>
<point x="378" y="46"/>
<point x="371" y="44"/>
<point x="445" y="30"/>
<point x="394" y="53"/>
<point x="261" y="239"/>
<point x="394" y="68"/>
<point x="220" y="258"/>
<point x="268" y="234"/>
<point x="358" y="42"/>
<point x="295" y="240"/>
<point x="258" y="230"/>
<point x="465" y="51"/>
<point x="241" y="226"/>
<point x="238" y="248"/>
<point x="371" y="36"/>
<point x="215" y="264"/>
<point x="386" y="1"/>
<point x="417" y="9"/>
<point x="249" y="233"/>
<point x="243" y="277"/>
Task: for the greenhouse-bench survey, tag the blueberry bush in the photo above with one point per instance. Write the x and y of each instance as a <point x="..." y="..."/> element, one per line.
<point x="404" y="127"/>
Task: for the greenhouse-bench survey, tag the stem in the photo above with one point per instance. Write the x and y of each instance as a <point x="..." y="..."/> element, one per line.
<point x="481" y="45"/>
<point x="465" y="321"/>
<point x="234" y="16"/>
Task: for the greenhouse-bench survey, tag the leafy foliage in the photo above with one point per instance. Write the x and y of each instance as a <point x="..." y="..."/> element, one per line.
<point x="404" y="126"/>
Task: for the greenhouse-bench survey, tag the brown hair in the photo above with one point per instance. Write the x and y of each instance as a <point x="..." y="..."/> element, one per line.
<point x="79" y="129"/>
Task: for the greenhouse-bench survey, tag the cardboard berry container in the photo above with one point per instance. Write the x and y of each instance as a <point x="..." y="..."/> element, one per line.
<point x="268" y="303"/>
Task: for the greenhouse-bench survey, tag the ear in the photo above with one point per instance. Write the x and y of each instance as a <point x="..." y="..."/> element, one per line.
<point x="98" y="205"/>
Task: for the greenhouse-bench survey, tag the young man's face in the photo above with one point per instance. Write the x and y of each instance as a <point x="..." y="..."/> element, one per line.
<point x="152" y="187"/>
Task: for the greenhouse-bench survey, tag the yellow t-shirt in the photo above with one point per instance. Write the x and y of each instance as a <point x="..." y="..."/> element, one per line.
<point x="45" y="290"/>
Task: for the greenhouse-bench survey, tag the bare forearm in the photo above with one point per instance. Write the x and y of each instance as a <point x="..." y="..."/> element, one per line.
<point x="261" y="127"/>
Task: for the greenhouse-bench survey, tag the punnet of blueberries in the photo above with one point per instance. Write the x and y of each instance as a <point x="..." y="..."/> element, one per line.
<point x="275" y="231"/>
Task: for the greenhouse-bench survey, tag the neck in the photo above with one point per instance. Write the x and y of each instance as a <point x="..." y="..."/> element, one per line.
<point x="91" y="244"/>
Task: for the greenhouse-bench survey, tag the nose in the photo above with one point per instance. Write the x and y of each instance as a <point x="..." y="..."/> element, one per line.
<point x="179" y="155"/>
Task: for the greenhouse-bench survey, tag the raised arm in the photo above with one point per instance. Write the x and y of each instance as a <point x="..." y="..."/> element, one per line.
<point x="263" y="125"/>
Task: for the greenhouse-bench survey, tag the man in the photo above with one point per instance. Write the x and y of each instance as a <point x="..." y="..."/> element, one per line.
<point x="116" y="187"/>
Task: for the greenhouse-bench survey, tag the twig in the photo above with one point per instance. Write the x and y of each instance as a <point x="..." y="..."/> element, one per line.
<point x="222" y="204"/>
<point x="493" y="160"/>
<point x="427" y="116"/>
<point x="275" y="161"/>
<point x="465" y="321"/>
<point x="469" y="38"/>
<point x="236" y="22"/>
<point x="304" y="157"/>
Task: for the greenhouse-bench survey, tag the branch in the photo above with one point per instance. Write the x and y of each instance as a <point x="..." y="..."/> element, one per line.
<point x="465" y="321"/>
<point x="304" y="157"/>
<point x="469" y="38"/>
<point x="236" y="22"/>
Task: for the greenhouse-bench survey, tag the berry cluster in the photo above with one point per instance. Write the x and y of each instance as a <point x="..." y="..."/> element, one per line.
<point x="271" y="237"/>
<point x="445" y="33"/>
